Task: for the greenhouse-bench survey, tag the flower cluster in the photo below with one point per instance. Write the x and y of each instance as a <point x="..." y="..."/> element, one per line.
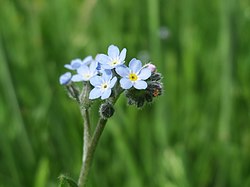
<point x="108" y="76"/>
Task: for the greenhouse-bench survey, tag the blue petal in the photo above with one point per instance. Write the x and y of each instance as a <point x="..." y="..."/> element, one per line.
<point x="95" y="93"/>
<point x="102" y="58"/>
<point x="96" y="81"/>
<point x="87" y="60"/>
<point x="68" y="66"/>
<point x="123" y="71"/>
<point x="140" y="85"/>
<point x="99" y="67"/>
<point x="125" y="83"/>
<point x="106" y="94"/>
<point x="123" y="54"/>
<point x="83" y="70"/>
<point x="76" y="63"/>
<point x="107" y="71"/>
<point x="112" y="82"/>
<point x="144" y="74"/>
<point x="106" y="75"/>
<point x="77" y="78"/>
<point x="113" y="51"/>
<point x="93" y="66"/>
<point x="135" y="65"/>
<point x="107" y="66"/>
<point x="65" y="78"/>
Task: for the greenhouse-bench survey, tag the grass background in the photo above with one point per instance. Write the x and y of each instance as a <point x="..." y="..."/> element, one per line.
<point x="196" y="135"/>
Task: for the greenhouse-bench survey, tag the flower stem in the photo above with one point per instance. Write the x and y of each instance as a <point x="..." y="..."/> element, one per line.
<point x="88" y="154"/>
<point x="90" y="143"/>
<point x="86" y="144"/>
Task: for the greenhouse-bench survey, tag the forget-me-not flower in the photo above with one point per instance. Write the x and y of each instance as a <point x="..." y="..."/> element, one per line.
<point x="102" y="85"/>
<point x="76" y="63"/>
<point x="65" y="78"/>
<point x="113" y="59"/>
<point x="134" y="75"/>
<point x="85" y="73"/>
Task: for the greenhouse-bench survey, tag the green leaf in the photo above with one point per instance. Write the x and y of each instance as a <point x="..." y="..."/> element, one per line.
<point x="66" y="180"/>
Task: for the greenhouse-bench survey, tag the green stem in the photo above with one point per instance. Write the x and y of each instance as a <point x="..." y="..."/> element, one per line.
<point x="84" y="107"/>
<point x="89" y="147"/>
<point x="90" y="152"/>
<point x="86" y="146"/>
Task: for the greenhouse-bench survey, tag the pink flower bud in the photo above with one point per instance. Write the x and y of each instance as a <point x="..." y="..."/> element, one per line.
<point x="152" y="67"/>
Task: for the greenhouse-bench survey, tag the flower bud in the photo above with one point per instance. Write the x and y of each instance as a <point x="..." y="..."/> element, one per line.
<point x="155" y="77"/>
<point x="151" y="67"/>
<point x="155" y="88"/>
<point x="65" y="78"/>
<point x="106" y="110"/>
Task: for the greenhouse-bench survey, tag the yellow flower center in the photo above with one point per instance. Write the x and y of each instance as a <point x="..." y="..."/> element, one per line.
<point x="87" y="76"/>
<point x="114" y="62"/>
<point x="133" y="77"/>
<point x="104" y="86"/>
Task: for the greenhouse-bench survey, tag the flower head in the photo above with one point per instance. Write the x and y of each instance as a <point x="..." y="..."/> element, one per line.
<point x="102" y="85"/>
<point x="65" y="78"/>
<point x="134" y="75"/>
<point x="85" y="73"/>
<point x="76" y="63"/>
<point x="113" y="59"/>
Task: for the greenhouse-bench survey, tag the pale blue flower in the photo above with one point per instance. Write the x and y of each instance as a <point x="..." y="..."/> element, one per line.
<point x="65" y="78"/>
<point x="85" y="73"/>
<point x="102" y="85"/>
<point x="76" y="63"/>
<point x="113" y="59"/>
<point x="134" y="75"/>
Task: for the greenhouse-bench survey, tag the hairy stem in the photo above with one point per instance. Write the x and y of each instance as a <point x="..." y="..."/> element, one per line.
<point x="90" y="143"/>
<point x="86" y="145"/>
<point x="84" y="107"/>
<point x="90" y="152"/>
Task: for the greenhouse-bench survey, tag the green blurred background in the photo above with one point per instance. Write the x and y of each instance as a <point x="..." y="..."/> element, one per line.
<point x="196" y="135"/>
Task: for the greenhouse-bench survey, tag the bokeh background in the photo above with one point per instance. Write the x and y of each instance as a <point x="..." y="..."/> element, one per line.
<point x="196" y="135"/>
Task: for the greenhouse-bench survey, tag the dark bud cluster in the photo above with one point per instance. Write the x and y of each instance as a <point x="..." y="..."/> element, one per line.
<point x="140" y="97"/>
<point x="106" y="110"/>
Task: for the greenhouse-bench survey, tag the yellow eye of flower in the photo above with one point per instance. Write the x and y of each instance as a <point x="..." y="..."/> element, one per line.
<point x="133" y="77"/>
<point x="114" y="62"/>
<point x="87" y="76"/>
<point x="104" y="86"/>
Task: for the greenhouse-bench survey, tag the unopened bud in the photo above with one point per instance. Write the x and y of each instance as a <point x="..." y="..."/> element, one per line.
<point x="151" y="67"/>
<point x="155" y="77"/>
<point x="155" y="88"/>
<point x="106" y="110"/>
